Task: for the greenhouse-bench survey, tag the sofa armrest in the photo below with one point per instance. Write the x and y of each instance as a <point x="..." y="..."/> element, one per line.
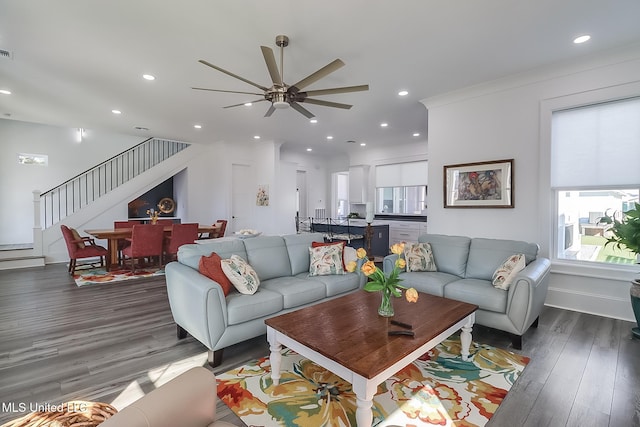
<point x="197" y="303"/>
<point x="388" y="263"/>
<point x="527" y="293"/>
<point x="189" y="400"/>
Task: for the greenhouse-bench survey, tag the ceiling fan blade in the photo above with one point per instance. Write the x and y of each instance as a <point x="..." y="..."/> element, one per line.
<point x="229" y="73"/>
<point x="238" y="105"/>
<point x="300" y="109"/>
<point x="270" y="111"/>
<point x="226" y="91"/>
<point x="326" y="103"/>
<point x="335" y="90"/>
<point x="272" y="66"/>
<point x="322" y="72"/>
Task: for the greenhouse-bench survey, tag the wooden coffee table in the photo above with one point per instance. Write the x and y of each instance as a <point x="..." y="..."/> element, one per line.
<point x="348" y="337"/>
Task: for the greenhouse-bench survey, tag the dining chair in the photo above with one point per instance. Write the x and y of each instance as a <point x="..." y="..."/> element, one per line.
<point x="180" y="235"/>
<point x="123" y="243"/>
<point x="146" y="242"/>
<point x="81" y="247"/>
<point x="217" y="233"/>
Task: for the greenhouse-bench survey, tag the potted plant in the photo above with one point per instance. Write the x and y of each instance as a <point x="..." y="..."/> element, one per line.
<point x="625" y="233"/>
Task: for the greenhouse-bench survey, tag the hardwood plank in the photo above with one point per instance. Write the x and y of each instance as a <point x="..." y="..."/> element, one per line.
<point x="115" y="342"/>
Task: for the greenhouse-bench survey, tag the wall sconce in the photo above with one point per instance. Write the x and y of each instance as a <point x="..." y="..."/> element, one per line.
<point x="80" y="133"/>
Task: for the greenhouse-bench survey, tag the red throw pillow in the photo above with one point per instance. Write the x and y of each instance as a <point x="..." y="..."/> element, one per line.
<point x="341" y="242"/>
<point x="210" y="266"/>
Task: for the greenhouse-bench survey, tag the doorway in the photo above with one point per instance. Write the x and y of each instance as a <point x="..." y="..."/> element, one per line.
<point x="242" y="197"/>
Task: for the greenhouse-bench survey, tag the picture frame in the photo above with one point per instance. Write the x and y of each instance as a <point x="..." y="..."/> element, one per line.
<point x="479" y="185"/>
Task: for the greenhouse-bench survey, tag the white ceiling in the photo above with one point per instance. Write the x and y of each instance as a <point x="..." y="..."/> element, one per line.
<point x="76" y="60"/>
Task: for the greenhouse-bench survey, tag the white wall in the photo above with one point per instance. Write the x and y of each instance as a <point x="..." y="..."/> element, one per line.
<point x="67" y="158"/>
<point x="502" y="120"/>
<point x="318" y="173"/>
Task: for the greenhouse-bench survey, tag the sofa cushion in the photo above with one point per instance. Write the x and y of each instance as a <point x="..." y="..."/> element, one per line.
<point x="325" y="260"/>
<point x="296" y="291"/>
<point x="240" y="273"/>
<point x="485" y="255"/>
<point x="336" y="284"/>
<point x="479" y="292"/>
<point x="419" y="257"/>
<point x="211" y="267"/>
<point x="242" y="308"/>
<point x="505" y="273"/>
<point x="268" y="256"/>
<point x="297" y="247"/>
<point x="191" y="253"/>
<point x="430" y="282"/>
<point x="449" y="252"/>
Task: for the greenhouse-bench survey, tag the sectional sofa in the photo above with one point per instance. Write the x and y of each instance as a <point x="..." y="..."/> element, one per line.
<point x="465" y="267"/>
<point x="200" y="308"/>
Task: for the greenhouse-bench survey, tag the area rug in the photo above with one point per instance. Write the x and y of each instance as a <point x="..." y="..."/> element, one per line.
<point x="438" y="389"/>
<point x="94" y="276"/>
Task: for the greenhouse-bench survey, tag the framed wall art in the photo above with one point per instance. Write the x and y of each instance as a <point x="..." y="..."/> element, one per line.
<point x="479" y="185"/>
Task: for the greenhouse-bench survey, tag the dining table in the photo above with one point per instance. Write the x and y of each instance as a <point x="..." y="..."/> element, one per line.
<point x="112" y="235"/>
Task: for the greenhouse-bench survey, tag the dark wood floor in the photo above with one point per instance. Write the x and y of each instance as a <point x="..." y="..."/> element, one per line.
<point x="115" y="342"/>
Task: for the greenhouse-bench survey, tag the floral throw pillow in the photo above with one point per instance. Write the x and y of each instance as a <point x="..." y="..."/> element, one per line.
<point x="240" y="274"/>
<point x="419" y="257"/>
<point x="504" y="275"/>
<point x="325" y="260"/>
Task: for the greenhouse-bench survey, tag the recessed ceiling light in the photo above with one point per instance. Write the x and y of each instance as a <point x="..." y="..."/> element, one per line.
<point x="581" y="39"/>
<point x="141" y="128"/>
<point x="256" y="137"/>
<point x="248" y="104"/>
<point x="329" y="137"/>
<point x="416" y="134"/>
<point x="313" y="121"/>
<point x="116" y="111"/>
<point x="309" y="149"/>
<point x="5" y="92"/>
<point x="384" y="125"/>
<point x="148" y="77"/>
<point x="197" y="126"/>
<point x="403" y="93"/>
<point x="363" y="144"/>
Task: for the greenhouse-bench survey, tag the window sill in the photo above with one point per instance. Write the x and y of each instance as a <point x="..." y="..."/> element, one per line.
<point x="620" y="272"/>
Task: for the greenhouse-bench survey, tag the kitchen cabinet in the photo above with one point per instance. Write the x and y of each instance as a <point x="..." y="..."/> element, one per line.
<point x="358" y="183"/>
<point x="405" y="231"/>
<point x="379" y="237"/>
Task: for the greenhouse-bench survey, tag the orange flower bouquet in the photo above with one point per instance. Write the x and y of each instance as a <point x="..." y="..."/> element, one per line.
<point x="388" y="286"/>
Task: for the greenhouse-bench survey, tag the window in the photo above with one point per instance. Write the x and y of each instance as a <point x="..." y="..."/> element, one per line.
<point x="410" y="200"/>
<point x="594" y="155"/>
<point x="401" y="188"/>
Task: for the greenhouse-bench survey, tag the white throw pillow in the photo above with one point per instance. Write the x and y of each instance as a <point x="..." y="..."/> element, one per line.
<point x="419" y="257"/>
<point x="325" y="260"/>
<point x="241" y="274"/>
<point x="504" y="275"/>
<point x="349" y="254"/>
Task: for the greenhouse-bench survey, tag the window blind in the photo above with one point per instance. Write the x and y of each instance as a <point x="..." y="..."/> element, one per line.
<point x="401" y="174"/>
<point x="597" y="145"/>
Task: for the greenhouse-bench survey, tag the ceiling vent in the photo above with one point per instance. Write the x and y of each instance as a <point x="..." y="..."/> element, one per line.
<point x="6" y="54"/>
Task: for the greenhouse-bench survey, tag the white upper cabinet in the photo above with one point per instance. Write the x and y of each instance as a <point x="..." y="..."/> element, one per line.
<point x="358" y="183"/>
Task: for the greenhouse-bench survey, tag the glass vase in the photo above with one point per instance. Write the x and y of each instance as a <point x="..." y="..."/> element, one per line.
<point x="386" y="306"/>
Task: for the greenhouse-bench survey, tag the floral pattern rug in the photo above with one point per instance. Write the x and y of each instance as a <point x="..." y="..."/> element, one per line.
<point x="438" y="389"/>
<point x="94" y="276"/>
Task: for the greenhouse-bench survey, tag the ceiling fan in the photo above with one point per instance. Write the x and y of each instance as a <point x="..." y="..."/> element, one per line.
<point x="282" y="95"/>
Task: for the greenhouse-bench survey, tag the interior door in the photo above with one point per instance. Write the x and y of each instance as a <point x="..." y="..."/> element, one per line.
<point x="301" y="184"/>
<point x="242" y="197"/>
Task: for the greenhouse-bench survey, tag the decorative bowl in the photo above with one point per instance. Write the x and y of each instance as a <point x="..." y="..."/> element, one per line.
<point x="247" y="233"/>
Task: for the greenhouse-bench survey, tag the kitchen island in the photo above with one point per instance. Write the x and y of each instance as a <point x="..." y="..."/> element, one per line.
<point x="354" y="231"/>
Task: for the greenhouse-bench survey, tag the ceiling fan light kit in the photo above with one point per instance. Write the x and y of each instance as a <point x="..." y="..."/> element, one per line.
<point x="282" y="95"/>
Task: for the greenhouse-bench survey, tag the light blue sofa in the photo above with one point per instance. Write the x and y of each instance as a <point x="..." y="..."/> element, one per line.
<point x="465" y="268"/>
<point x="200" y="308"/>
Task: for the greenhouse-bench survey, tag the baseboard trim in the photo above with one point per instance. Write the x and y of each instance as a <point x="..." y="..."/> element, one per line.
<point x="22" y="262"/>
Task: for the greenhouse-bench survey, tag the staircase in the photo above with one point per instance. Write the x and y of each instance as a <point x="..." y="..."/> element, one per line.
<point x="79" y="194"/>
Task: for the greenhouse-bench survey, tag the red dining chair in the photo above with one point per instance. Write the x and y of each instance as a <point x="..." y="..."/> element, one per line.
<point x="164" y="221"/>
<point x="146" y="242"/>
<point x="180" y="235"/>
<point x="81" y="247"/>
<point x="123" y="243"/>
<point x="217" y="233"/>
